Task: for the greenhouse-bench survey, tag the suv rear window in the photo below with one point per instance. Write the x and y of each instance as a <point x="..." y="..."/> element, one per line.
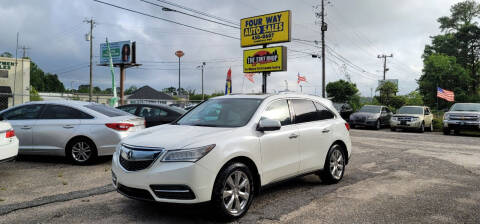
<point x="107" y="111"/>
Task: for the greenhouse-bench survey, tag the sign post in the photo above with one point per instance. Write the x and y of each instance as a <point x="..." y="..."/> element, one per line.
<point x="179" y="54"/>
<point x="263" y="30"/>
<point x="118" y="54"/>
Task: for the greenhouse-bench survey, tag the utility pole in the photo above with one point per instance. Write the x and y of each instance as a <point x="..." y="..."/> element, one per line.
<point x="90" y="38"/>
<point x="16" y="66"/>
<point x="24" y="49"/>
<point x="324" y="28"/>
<point x="202" y="67"/>
<point x="385" y="69"/>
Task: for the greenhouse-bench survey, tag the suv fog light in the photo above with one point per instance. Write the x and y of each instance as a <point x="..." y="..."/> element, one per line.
<point x="114" y="179"/>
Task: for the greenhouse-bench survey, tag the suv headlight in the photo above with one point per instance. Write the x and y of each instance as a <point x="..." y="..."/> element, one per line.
<point x="187" y="155"/>
<point x="415" y="118"/>
<point x="394" y="118"/>
<point x="445" y="116"/>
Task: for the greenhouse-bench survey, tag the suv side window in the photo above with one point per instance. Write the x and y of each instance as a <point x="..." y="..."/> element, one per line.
<point x="279" y="111"/>
<point x="63" y="112"/>
<point x="305" y="111"/>
<point x="23" y="113"/>
<point x="384" y="110"/>
<point x="323" y="112"/>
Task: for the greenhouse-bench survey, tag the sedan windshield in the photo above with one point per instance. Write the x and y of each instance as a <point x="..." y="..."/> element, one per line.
<point x="370" y="109"/>
<point x="410" y="110"/>
<point x="466" y="107"/>
<point x="221" y="113"/>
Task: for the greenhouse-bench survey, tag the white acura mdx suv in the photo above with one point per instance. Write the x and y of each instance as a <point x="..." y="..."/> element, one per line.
<point x="227" y="148"/>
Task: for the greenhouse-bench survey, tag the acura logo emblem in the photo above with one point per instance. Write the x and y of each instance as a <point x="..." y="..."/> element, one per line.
<point x="129" y="154"/>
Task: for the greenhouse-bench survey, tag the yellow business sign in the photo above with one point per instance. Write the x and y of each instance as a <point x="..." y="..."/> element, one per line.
<point x="265" y="29"/>
<point x="272" y="59"/>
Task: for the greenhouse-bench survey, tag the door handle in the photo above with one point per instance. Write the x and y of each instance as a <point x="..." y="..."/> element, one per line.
<point x="68" y="126"/>
<point x="26" y="127"/>
<point x="325" y="131"/>
<point x="293" y="136"/>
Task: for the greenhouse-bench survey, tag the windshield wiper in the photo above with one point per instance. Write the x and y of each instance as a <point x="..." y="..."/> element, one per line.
<point x="205" y="125"/>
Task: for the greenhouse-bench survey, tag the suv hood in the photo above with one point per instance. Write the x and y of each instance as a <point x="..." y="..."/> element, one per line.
<point x="175" y="136"/>
<point x="408" y="115"/>
<point x="364" y="114"/>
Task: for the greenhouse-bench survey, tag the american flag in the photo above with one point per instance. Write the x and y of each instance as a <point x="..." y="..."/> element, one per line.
<point x="301" y="78"/>
<point x="249" y="76"/>
<point x="445" y="94"/>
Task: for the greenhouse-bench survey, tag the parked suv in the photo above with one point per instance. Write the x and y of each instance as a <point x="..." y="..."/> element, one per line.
<point x="371" y="116"/>
<point x="462" y="116"/>
<point x="412" y="117"/>
<point x="227" y="148"/>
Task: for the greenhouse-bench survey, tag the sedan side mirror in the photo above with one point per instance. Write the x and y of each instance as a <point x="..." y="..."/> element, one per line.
<point x="268" y="125"/>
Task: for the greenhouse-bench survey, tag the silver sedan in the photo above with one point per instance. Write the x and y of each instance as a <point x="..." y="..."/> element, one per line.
<point x="81" y="131"/>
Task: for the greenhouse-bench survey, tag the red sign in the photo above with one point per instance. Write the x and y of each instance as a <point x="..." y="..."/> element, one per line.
<point x="179" y="53"/>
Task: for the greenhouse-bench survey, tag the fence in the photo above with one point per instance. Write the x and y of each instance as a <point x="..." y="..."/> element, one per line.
<point x="10" y="100"/>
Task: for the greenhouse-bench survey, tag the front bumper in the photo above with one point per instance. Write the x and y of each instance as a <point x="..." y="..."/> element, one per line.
<point x="406" y="125"/>
<point x="461" y="125"/>
<point x="9" y="151"/>
<point x="369" y="123"/>
<point x="171" y="182"/>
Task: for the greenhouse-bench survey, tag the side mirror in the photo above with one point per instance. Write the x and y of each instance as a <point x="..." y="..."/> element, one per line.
<point x="268" y="125"/>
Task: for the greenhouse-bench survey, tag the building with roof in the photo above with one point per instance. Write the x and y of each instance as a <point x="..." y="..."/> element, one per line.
<point x="149" y="95"/>
<point x="14" y="82"/>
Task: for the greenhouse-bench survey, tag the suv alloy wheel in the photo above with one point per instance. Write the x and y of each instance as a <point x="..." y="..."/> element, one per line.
<point x="334" y="167"/>
<point x="233" y="191"/>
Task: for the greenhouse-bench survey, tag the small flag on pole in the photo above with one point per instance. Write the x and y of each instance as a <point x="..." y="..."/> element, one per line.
<point x="228" y="85"/>
<point x="249" y="76"/>
<point x="301" y="78"/>
<point x="445" y="94"/>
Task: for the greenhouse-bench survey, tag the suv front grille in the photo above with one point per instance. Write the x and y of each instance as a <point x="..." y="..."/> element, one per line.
<point x="134" y="165"/>
<point x="404" y="119"/>
<point x="135" y="158"/>
<point x="463" y="118"/>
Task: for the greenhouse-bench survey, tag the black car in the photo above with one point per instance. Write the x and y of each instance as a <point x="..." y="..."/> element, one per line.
<point x="344" y="109"/>
<point x="154" y="114"/>
<point x="371" y="116"/>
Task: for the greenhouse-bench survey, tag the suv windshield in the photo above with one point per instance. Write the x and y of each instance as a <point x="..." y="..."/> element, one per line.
<point x="370" y="109"/>
<point x="221" y="113"/>
<point x="466" y="107"/>
<point x="410" y="110"/>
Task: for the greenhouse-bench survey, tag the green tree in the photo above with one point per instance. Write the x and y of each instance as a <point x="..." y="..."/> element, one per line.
<point x="6" y="54"/>
<point x="34" y="96"/>
<point x="414" y="98"/>
<point x="44" y="82"/>
<point x="387" y="91"/>
<point x="342" y="91"/>
<point x="84" y="88"/>
<point x="444" y="72"/>
<point x="462" y="14"/>
<point x="130" y="90"/>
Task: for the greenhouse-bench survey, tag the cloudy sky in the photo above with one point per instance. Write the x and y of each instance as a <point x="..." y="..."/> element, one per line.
<point x="358" y="31"/>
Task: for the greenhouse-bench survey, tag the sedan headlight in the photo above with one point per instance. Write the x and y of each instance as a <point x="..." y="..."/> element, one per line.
<point x="187" y="155"/>
<point x="372" y="118"/>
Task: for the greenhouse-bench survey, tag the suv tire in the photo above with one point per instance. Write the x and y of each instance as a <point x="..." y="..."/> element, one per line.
<point x="393" y="129"/>
<point x="230" y="192"/>
<point x="335" y="160"/>
<point x="422" y="128"/>
<point x="430" y="129"/>
<point x="81" y="151"/>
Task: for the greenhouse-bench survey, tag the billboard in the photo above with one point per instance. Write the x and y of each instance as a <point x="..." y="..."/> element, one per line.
<point x="265" y="29"/>
<point x="272" y="59"/>
<point x="123" y="52"/>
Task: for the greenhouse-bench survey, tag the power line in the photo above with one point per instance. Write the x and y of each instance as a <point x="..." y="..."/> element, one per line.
<point x="184" y="13"/>
<point x="166" y="20"/>
<point x="199" y="12"/>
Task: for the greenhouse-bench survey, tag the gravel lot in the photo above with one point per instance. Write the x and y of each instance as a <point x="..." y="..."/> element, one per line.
<point x="392" y="178"/>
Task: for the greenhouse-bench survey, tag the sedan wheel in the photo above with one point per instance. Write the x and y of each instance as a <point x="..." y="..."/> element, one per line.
<point x="233" y="191"/>
<point x="378" y="125"/>
<point x="81" y="151"/>
<point x="334" y="167"/>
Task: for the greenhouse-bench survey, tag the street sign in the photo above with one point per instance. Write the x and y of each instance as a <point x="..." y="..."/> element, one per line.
<point x="272" y="59"/>
<point x="123" y="52"/>
<point x="265" y="29"/>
